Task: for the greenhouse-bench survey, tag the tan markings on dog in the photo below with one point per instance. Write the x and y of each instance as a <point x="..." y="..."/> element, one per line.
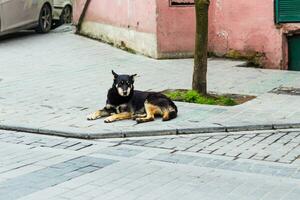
<point x="134" y="117"/>
<point x="94" y="115"/>
<point x="98" y="114"/>
<point x="117" y="117"/>
<point x="151" y="111"/>
<point x="166" y="115"/>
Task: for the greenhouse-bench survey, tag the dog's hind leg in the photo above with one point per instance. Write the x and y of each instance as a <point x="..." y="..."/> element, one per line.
<point x="151" y="111"/>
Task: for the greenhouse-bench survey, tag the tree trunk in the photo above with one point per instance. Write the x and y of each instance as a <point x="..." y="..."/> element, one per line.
<point x="200" y="57"/>
<point x="82" y="15"/>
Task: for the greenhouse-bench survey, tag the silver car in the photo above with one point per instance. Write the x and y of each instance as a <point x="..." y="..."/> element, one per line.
<point x="62" y="12"/>
<point x="18" y="15"/>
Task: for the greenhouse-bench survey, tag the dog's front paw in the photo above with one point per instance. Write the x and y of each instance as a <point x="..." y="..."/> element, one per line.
<point x="109" y="119"/>
<point x="139" y="120"/>
<point x="93" y="116"/>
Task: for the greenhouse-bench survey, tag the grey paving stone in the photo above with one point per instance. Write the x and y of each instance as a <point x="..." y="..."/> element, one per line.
<point x="229" y="165"/>
<point x="214" y="163"/>
<point x="175" y="158"/>
<point x="120" y="151"/>
<point x="202" y="161"/>
<point x="87" y="160"/>
<point x="278" y="192"/>
<point x="88" y="169"/>
<point x="295" y="175"/>
<point x="293" y="195"/>
<point x="50" y="176"/>
<point x="260" y="192"/>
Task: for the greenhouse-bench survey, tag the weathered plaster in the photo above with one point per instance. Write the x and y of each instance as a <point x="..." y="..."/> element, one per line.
<point x="250" y="28"/>
<point x="144" y="43"/>
<point x="130" y="23"/>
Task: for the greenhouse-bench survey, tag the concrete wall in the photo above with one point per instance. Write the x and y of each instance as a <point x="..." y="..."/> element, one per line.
<point x="124" y="23"/>
<point x="153" y="28"/>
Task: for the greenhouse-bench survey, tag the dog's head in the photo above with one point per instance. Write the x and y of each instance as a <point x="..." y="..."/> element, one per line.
<point x="123" y="83"/>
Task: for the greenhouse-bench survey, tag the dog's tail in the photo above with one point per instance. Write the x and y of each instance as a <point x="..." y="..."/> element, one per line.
<point x="173" y="110"/>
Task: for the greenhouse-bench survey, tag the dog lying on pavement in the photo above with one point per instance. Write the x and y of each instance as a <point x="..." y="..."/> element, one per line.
<point x="123" y="102"/>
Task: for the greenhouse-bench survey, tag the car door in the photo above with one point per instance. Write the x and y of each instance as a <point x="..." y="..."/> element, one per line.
<point x="17" y="13"/>
<point x="0" y="15"/>
<point x="31" y="10"/>
<point x="11" y="12"/>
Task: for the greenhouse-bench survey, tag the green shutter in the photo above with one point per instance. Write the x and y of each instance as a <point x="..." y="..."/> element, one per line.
<point x="287" y="11"/>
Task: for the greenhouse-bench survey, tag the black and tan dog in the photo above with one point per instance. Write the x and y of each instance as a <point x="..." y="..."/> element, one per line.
<point x="123" y="102"/>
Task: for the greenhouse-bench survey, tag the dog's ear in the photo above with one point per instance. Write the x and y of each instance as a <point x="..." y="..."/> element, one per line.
<point x="115" y="74"/>
<point x="132" y="77"/>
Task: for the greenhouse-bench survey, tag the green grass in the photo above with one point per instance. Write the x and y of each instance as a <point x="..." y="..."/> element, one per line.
<point x="192" y="96"/>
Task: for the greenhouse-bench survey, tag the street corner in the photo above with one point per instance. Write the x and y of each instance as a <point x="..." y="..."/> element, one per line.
<point x="137" y="100"/>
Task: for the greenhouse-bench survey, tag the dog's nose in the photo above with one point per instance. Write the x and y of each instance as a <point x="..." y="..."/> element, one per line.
<point x="125" y="92"/>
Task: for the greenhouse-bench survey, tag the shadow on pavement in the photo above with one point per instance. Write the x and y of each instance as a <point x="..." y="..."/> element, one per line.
<point x="17" y="35"/>
<point x="26" y="33"/>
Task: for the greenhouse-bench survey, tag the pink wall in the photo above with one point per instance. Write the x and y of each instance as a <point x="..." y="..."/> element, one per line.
<point x="175" y="29"/>
<point x="139" y="15"/>
<point x="247" y="26"/>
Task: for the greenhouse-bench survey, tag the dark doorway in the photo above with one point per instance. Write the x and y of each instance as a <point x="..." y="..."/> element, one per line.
<point x="294" y="52"/>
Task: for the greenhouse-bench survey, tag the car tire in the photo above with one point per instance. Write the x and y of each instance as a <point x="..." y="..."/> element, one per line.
<point x="45" y="19"/>
<point x="66" y="15"/>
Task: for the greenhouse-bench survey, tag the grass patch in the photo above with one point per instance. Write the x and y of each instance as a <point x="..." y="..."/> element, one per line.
<point x="192" y="96"/>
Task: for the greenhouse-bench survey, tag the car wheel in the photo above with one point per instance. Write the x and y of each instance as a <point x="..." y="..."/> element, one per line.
<point x="45" y="20"/>
<point x="66" y="15"/>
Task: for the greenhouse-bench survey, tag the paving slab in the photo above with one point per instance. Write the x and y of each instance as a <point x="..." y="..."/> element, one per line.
<point x="113" y="169"/>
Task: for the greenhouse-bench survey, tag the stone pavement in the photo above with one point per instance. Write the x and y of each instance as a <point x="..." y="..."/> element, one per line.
<point x="275" y="146"/>
<point x="49" y="83"/>
<point x="39" y="167"/>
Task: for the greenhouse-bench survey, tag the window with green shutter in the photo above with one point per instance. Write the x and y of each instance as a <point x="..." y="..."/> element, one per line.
<point x="287" y="11"/>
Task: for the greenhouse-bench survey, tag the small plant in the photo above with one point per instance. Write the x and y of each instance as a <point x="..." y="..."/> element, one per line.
<point x="192" y="96"/>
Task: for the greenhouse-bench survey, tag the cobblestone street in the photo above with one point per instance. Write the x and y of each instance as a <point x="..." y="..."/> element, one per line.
<point x="35" y="167"/>
<point x="274" y="146"/>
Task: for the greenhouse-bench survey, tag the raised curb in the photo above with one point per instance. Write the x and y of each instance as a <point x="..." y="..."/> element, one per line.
<point x="123" y="134"/>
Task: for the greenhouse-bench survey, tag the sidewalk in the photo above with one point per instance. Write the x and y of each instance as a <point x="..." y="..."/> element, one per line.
<point x="49" y="83"/>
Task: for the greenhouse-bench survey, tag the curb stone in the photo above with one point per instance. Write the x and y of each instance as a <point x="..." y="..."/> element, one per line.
<point x="141" y="133"/>
<point x="216" y="129"/>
